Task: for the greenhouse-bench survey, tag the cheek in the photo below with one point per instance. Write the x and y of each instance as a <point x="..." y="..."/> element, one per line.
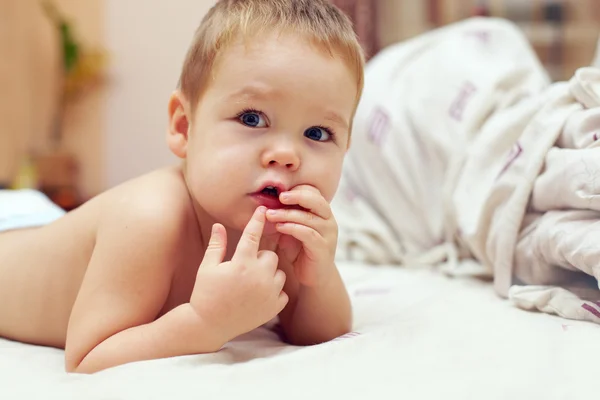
<point x="222" y="151"/>
<point x="327" y="180"/>
<point x="334" y="180"/>
<point x="215" y="169"/>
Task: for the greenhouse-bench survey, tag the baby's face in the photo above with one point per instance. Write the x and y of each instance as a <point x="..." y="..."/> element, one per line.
<point x="276" y="113"/>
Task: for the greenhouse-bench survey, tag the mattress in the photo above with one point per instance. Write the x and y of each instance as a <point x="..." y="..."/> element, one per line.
<point x="417" y="335"/>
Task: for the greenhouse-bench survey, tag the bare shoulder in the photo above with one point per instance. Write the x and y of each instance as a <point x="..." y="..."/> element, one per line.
<point x="156" y="206"/>
<point x="159" y="197"/>
<point x="150" y="218"/>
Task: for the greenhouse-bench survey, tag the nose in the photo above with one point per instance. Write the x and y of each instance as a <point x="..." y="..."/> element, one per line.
<point x="283" y="155"/>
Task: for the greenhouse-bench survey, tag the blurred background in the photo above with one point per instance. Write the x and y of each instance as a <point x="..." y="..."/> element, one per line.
<point x="84" y="84"/>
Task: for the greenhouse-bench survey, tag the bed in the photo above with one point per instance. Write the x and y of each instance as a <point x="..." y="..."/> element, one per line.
<point x="417" y="335"/>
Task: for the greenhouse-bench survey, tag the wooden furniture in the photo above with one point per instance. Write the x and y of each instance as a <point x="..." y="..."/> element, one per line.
<point x="30" y="78"/>
<point x="563" y="33"/>
<point x="44" y="136"/>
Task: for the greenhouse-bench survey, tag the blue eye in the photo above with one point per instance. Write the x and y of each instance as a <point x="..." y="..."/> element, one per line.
<point x="252" y="119"/>
<point x="318" y="134"/>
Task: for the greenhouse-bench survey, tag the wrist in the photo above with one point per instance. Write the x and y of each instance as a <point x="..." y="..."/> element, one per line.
<point x="327" y="278"/>
<point x="216" y="336"/>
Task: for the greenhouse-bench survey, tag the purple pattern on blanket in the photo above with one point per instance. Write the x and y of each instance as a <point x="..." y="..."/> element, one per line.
<point x="514" y="153"/>
<point x="350" y="194"/>
<point x="347" y="336"/>
<point x="595" y="136"/>
<point x="591" y="309"/>
<point x="482" y="35"/>
<point x="380" y="122"/>
<point x="458" y="106"/>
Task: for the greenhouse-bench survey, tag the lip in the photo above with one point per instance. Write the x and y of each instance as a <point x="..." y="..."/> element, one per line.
<point x="270" y="202"/>
<point x="276" y="184"/>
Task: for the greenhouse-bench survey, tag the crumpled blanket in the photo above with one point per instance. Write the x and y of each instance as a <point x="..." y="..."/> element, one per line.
<point x="460" y="151"/>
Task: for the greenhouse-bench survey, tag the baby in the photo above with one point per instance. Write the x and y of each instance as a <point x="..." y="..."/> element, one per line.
<point x="184" y="259"/>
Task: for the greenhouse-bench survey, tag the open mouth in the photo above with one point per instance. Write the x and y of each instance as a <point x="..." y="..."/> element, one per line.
<point x="268" y="196"/>
<point x="271" y="191"/>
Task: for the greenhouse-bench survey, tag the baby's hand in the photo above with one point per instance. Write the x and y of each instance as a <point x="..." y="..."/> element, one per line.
<point x="310" y="234"/>
<point x="244" y="293"/>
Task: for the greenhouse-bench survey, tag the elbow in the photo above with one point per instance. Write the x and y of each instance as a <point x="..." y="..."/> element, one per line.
<point x="81" y="368"/>
<point x="318" y="336"/>
<point x="339" y="328"/>
<point x="338" y="331"/>
<point x="74" y="367"/>
<point x="71" y="362"/>
<point x="76" y="364"/>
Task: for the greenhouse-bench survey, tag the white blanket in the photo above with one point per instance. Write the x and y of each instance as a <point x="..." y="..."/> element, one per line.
<point x="449" y="140"/>
<point x="425" y="101"/>
<point x="26" y="208"/>
<point x="418" y="335"/>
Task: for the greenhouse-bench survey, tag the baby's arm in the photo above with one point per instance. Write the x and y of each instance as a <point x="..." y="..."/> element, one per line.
<point x="319" y="309"/>
<point x="315" y="314"/>
<point x="125" y="287"/>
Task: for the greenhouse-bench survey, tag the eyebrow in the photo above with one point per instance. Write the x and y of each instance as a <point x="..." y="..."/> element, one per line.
<point x="336" y="119"/>
<point x="253" y="91"/>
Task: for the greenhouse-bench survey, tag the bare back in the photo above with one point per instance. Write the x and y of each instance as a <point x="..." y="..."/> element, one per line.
<point x="42" y="269"/>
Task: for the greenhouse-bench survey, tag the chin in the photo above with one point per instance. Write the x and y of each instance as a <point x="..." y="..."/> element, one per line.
<point x="239" y="224"/>
<point x="239" y="218"/>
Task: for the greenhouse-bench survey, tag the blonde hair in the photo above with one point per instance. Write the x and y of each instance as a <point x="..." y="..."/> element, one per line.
<point x="319" y="21"/>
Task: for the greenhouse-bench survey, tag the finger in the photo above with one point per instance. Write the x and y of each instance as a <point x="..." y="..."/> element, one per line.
<point x="279" y="280"/>
<point x="297" y="216"/>
<point x="268" y="259"/>
<point x="309" y="200"/>
<point x="288" y="248"/>
<point x="217" y="246"/>
<point x="303" y="233"/>
<point x="282" y="301"/>
<point x="250" y="241"/>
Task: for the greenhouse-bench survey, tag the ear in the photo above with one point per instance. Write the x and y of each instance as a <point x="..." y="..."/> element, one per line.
<point x="179" y="124"/>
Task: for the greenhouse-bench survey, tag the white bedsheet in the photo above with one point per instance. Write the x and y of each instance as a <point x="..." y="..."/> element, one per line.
<point x="419" y="335"/>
